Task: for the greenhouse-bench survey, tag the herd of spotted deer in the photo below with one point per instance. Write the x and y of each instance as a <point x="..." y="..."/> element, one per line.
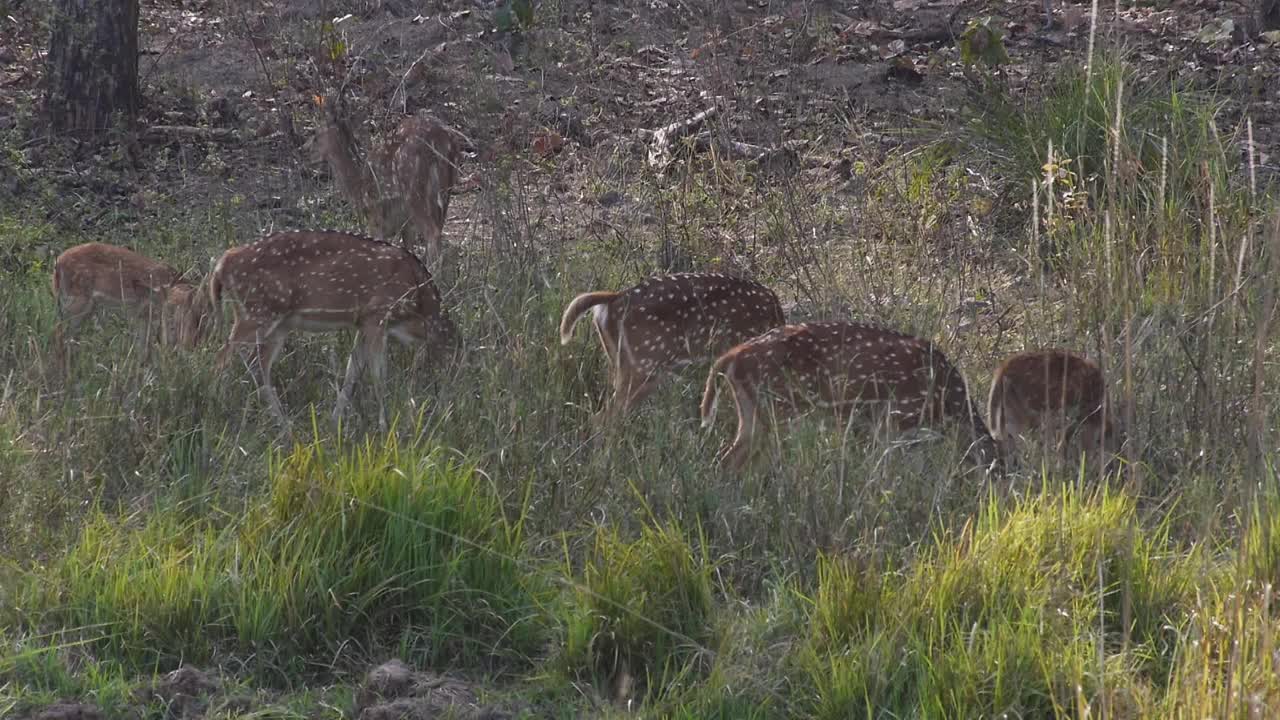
<point x="319" y="281"/>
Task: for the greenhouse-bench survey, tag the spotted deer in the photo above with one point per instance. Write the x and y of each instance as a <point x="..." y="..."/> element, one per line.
<point x="403" y="186"/>
<point x="152" y="294"/>
<point x="668" y="321"/>
<point x="843" y="366"/>
<point x="325" y="281"/>
<point x="1057" y="392"/>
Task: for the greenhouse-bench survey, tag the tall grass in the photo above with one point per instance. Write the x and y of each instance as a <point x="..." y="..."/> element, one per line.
<point x="643" y="617"/>
<point x="1041" y="610"/>
<point x="346" y="548"/>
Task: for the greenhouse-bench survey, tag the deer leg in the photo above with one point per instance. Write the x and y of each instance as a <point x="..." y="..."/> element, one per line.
<point x="377" y="359"/>
<point x="146" y="330"/>
<point x="749" y="423"/>
<point x="263" y="348"/>
<point x="1095" y="447"/>
<point x="244" y="333"/>
<point x="428" y="211"/>
<point x="72" y="316"/>
<point x="370" y="349"/>
<point x="355" y="365"/>
<point x="370" y="339"/>
<point x="268" y="348"/>
<point x="630" y="387"/>
<point x="173" y="326"/>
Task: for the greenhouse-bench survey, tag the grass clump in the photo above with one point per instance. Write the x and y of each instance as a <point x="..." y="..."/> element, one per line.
<point x="373" y="546"/>
<point x="1021" y="613"/>
<point x="1119" y="168"/>
<point x="1161" y="127"/>
<point x="1260" y="550"/>
<point x="1228" y="666"/>
<point x="643" y="615"/>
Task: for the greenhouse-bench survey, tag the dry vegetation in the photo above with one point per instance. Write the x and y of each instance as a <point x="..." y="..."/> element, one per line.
<point x="167" y="553"/>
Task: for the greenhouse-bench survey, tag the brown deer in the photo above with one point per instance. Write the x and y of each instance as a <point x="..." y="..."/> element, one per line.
<point x="1058" y="392"/>
<point x="324" y="281"/>
<point x="843" y="366"/>
<point x="404" y="184"/>
<point x="667" y="321"/>
<point x="151" y="293"/>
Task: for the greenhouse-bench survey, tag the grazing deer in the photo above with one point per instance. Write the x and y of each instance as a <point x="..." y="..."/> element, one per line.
<point x="152" y="293"/>
<point x="668" y="321"/>
<point x="324" y="281"/>
<point x="843" y="366"/>
<point x="1058" y="392"/>
<point x="404" y="184"/>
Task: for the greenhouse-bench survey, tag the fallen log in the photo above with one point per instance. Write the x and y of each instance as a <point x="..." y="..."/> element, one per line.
<point x="162" y="133"/>
<point x="662" y="139"/>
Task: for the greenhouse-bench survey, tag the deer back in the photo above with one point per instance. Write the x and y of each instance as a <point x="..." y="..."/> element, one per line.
<point x="330" y="277"/>
<point x="1045" y="384"/>
<point x="842" y="364"/>
<point x="111" y="273"/>
<point x="688" y="316"/>
<point x="422" y="157"/>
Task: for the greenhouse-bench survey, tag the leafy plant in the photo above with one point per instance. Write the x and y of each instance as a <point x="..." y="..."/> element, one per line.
<point x="513" y="15"/>
<point x="644" y="610"/>
<point x="982" y="41"/>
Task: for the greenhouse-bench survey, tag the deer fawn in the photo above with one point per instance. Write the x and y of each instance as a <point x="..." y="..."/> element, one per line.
<point x="156" y="297"/>
<point x="325" y="281"/>
<point x="1056" y="391"/>
<point x="404" y="184"/>
<point x="668" y="321"/>
<point x="844" y="366"/>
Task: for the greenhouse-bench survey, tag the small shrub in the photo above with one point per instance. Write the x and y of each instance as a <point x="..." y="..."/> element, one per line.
<point x="1260" y="554"/>
<point x="1227" y="664"/>
<point x="1003" y="618"/>
<point x="643" y="610"/>
<point x="362" y="546"/>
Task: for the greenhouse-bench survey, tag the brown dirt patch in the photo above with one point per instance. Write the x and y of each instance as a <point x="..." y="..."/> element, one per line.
<point x="394" y="691"/>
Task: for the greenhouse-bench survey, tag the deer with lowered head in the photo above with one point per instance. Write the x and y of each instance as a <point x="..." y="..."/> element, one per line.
<point x="324" y="281"/>
<point x="668" y="321"/>
<point x="1057" y="393"/>
<point x="152" y="294"/>
<point x="402" y="188"/>
<point x="846" y="367"/>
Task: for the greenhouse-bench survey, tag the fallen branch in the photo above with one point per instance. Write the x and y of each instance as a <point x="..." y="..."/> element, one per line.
<point x="168" y="132"/>
<point x="760" y="154"/>
<point x="663" y="138"/>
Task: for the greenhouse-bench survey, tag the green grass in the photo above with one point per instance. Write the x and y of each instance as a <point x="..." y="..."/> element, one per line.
<point x="1012" y="615"/>
<point x="345" y="545"/>
<point x="643" y="616"/>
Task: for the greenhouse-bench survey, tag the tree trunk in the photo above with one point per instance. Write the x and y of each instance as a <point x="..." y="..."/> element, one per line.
<point x="1269" y="14"/>
<point x="92" y="66"/>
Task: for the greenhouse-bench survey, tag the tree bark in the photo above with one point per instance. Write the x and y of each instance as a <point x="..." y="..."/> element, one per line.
<point x="92" y="67"/>
<point x="1269" y="14"/>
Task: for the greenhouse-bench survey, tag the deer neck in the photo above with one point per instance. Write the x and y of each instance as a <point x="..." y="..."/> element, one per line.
<point x="356" y="177"/>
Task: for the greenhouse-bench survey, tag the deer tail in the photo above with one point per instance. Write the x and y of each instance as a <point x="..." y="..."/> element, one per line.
<point x="711" y="394"/>
<point x="577" y="307"/>
<point x="215" y="286"/>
